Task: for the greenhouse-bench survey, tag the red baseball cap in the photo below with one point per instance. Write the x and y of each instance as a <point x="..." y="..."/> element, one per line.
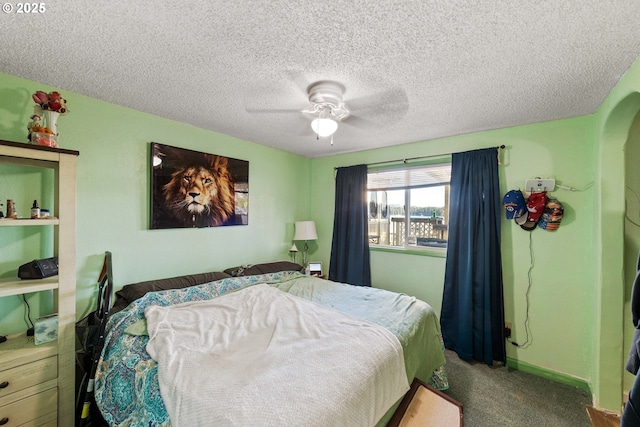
<point x="535" y="207"/>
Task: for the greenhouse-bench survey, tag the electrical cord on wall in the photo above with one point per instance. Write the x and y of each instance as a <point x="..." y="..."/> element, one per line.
<point x="566" y="187"/>
<point x="569" y="188"/>
<point x="527" y="342"/>
<point x="527" y="330"/>
<point x="31" y="330"/>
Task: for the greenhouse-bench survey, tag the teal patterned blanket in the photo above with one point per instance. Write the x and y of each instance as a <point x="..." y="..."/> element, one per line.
<point x="127" y="388"/>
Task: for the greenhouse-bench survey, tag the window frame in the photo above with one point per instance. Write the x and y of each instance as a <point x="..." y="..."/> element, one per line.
<point x="406" y="247"/>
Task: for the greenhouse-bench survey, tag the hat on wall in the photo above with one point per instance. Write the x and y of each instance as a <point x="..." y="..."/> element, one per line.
<point x="521" y="219"/>
<point x="552" y="215"/>
<point x="535" y="206"/>
<point x="515" y="205"/>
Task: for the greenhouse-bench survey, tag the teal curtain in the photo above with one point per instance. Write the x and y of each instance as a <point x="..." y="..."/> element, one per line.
<point x="350" y="244"/>
<point x="472" y="315"/>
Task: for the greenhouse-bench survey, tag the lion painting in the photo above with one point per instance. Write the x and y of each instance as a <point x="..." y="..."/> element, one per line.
<point x="200" y="189"/>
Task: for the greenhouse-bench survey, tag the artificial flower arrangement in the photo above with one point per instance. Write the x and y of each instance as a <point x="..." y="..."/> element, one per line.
<point x="42" y="128"/>
<point x="52" y="101"/>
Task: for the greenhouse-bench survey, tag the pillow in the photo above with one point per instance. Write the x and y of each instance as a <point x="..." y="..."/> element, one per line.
<point x="134" y="291"/>
<point x="264" y="268"/>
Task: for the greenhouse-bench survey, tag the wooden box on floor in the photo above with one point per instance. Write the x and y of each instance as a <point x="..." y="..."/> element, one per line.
<point x="423" y="406"/>
<point x="601" y="418"/>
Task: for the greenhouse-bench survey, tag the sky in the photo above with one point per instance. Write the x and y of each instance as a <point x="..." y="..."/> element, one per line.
<point x="421" y="197"/>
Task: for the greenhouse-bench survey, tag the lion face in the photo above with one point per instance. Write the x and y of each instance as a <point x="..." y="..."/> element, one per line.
<point x="201" y="195"/>
<point x="198" y="187"/>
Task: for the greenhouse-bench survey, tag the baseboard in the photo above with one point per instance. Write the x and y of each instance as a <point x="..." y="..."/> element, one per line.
<point x="551" y="375"/>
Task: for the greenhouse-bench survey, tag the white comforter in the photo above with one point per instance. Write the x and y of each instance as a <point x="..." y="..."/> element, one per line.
<point x="262" y="357"/>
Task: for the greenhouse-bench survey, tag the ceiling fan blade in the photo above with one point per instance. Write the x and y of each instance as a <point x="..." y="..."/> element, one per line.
<point x="359" y="122"/>
<point x="280" y="93"/>
<point x="273" y="110"/>
<point x="266" y="100"/>
<point x="395" y="95"/>
<point x="387" y="106"/>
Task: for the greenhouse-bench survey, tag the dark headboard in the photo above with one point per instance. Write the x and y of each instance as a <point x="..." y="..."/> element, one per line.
<point x="134" y="291"/>
<point x="263" y="268"/>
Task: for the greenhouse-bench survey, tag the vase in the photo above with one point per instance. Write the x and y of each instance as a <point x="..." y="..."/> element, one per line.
<point x="50" y="120"/>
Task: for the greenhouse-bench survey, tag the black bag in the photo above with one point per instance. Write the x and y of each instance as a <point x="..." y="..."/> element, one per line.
<point x="39" y="268"/>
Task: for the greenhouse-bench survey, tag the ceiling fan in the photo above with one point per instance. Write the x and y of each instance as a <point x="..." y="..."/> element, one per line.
<point x="327" y="108"/>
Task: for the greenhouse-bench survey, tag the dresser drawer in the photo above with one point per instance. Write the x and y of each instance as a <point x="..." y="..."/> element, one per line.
<point x="27" y="375"/>
<point x="50" y="420"/>
<point x="36" y="410"/>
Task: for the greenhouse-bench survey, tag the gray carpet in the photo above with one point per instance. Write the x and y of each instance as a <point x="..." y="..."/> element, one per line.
<point x="502" y="397"/>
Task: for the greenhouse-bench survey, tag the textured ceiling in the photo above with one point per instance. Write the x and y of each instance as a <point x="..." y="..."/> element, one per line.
<point x="413" y="70"/>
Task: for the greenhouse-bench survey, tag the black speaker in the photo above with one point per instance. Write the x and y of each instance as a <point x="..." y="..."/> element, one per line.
<point x="39" y="268"/>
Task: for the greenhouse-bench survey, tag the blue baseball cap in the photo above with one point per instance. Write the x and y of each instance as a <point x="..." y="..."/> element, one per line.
<point x="515" y="204"/>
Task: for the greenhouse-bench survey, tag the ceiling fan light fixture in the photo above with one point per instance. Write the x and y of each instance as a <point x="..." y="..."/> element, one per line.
<point x="324" y="127"/>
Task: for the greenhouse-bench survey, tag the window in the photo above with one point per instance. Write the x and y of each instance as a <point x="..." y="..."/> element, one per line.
<point x="425" y="190"/>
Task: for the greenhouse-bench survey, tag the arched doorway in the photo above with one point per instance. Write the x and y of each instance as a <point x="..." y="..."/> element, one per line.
<point x="610" y="293"/>
<point x="631" y="232"/>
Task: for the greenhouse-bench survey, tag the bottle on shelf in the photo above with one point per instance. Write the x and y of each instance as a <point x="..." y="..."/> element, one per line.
<point x="11" y="209"/>
<point x="35" y="210"/>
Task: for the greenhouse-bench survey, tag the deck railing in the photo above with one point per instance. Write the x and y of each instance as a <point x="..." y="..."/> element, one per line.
<point x="423" y="231"/>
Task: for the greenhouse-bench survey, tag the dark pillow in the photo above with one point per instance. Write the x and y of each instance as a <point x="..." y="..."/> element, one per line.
<point x="264" y="268"/>
<point x="134" y="291"/>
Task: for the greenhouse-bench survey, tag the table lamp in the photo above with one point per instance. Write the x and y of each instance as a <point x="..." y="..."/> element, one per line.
<point x="293" y="252"/>
<point x="305" y="230"/>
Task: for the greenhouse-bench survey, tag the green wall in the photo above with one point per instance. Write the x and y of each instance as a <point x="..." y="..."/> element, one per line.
<point x="113" y="182"/>
<point x="562" y="290"/>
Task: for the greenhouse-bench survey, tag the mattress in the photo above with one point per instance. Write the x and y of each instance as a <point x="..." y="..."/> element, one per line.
<point x="127" y="387"/>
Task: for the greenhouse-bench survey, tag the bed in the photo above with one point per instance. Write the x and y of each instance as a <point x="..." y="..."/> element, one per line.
<point x="272" y="347"/>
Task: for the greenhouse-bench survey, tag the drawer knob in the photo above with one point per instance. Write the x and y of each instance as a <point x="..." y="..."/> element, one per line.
<point x="4" y="384"/>
<point x="4" y="421"/>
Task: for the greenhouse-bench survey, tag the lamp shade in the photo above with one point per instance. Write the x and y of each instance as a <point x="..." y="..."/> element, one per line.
<point x="324" y="127"/>
<point x="305" y="230"/>
<point x="294" y="248"/>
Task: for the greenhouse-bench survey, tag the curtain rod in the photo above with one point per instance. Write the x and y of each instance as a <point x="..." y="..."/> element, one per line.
<point x="500" y="147"/>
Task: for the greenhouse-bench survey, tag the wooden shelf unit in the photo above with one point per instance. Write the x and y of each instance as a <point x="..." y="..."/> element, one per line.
<point x="7" y="222"/>
<point x="40" y="380"/>
<point x="9" y="287"/>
